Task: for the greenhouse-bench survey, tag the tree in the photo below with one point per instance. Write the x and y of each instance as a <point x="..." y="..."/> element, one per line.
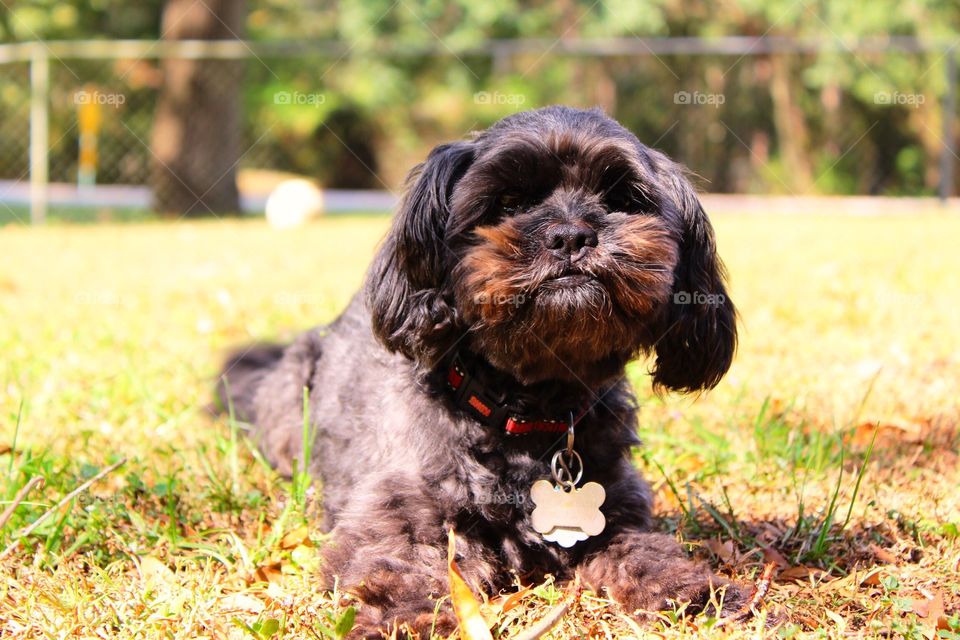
<point x="196" y="129"/>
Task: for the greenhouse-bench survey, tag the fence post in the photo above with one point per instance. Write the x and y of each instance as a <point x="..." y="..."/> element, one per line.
<point x="948" y="155"/>
<point x="39" y="131"/>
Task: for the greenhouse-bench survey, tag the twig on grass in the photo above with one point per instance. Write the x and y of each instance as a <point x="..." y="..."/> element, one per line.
<point x="67" y="498"/>
<point x="549" y="621"/>
<point x="545" y="624"/>
<point x="20" y="497"/>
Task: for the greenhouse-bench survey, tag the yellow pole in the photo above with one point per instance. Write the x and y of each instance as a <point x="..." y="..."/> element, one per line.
<point x="88" y="120"/>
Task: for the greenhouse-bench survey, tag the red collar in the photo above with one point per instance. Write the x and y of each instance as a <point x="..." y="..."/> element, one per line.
<point x="472" y="397"/>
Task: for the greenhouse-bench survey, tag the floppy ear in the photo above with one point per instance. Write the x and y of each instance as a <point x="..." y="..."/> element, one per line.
<point x="403" y="288"/>
<point x="698" y="336"/>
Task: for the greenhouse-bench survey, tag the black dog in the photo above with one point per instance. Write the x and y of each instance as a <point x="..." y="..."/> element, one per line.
<point x="524" y="269"/>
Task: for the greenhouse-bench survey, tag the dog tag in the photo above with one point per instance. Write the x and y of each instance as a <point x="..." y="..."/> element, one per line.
<point x="567" y="516"/>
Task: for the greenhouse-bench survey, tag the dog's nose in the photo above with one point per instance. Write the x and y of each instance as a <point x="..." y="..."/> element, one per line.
<point x="570" y="240"/>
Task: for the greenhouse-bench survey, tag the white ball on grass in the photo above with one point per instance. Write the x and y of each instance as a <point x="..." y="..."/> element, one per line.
<point x="293" y="202"/>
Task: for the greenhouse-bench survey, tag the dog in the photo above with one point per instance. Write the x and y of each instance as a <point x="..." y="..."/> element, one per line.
<point x="525" y="267"/>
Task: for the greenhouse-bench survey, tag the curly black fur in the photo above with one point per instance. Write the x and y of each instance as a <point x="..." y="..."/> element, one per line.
<point x="547" y="251"/>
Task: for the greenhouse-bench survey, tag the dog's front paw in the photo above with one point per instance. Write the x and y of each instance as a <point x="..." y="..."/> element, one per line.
<point x="372" y="624"/>
<point x="396" y="604"/>
<point x="680" y="585"/>
<point x="699" y="591"/>
<point x="647" y="572"/>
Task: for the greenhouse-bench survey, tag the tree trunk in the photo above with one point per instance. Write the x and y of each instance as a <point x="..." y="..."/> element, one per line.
<point x="196" y="127"/>
<point x="788" y="118"/>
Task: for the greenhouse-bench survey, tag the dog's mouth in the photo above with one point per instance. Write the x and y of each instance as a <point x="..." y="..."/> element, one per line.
<point x="569" y="280"/>
<point x="571" y="290"/>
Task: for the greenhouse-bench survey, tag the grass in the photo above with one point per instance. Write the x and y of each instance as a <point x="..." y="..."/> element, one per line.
<point x="20" y="214"/>
<point x="831" y="448"/>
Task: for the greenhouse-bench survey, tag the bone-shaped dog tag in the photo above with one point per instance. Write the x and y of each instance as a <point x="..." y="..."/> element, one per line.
<point x="567" y="517"/>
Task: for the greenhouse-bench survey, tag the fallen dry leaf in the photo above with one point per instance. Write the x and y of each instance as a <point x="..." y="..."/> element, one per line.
<point x="296" y="538"/>
<point x="473" y="626"/>
<point x="838" y="620"/>
<point x="799" y="573"/>
<point x="849" y="585"/>
<point x="933" y="613"/>
<point x="772" y="555"/>
<point x="276" y="593"/>
<point x="882" y="554"/>
<point x="504" y="603"/>
<point x="725" y="551"/>
<point x="272" y="572"/>
<point x="768" y="533"/>
<point x="929" y="607"/>
<point x="242" y="602"/>
<point x="666" y="500"/>
<point x="872" y="579"/>
<point x="889" y="432"/>
<point x="152" y="568"/>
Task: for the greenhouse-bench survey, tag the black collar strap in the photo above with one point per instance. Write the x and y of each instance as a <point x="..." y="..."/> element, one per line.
<point x="470" y="396"/>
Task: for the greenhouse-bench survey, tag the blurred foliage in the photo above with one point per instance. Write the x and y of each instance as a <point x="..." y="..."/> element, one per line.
<point x="835" y="122"/>
<point x="79" y="19"/>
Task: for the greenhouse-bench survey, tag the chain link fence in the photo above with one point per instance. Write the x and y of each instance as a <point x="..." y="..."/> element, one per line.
<point x="89" y="108"/>
<point x="76" y="118"/>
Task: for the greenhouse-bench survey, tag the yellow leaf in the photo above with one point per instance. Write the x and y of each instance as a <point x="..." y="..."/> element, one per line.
<point x="154" y="569"/>
<point x="838" y="620"/>
<point x="269" y="572"/>
<point x="872" y="579"/>
<point x="242" y="602"/>
<point x="502" y="604"/>
<point x="298" y="537"/>
<point x="465" y="604"/>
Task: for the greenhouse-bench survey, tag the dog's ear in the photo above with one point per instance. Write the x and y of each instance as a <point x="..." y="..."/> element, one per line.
<point x="698" y="336"/>
<point x="404" y="284"/>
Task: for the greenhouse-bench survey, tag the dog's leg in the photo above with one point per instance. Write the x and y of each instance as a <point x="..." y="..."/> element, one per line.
<point x="389" y="549"/>
<point x="403" y="595"/>
<point x="650" y="572"/>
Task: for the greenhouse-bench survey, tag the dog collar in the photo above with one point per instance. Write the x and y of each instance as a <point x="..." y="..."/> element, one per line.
<point x="471" y="396"/>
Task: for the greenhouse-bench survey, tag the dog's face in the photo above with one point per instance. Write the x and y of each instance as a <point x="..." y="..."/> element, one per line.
<point x="558" y="247"/>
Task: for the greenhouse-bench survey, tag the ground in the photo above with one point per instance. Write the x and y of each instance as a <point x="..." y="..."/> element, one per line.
<point x="112" y="334"/>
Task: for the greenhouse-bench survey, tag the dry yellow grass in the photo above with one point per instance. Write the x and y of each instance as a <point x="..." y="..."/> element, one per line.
<point x="111" y="336"/>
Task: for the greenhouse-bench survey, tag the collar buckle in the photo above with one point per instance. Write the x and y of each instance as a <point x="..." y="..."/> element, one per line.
<point x="469" y="395"/>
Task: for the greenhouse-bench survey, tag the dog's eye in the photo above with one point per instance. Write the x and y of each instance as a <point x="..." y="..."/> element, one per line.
<point x="509" y="203"/>
<point x="619" y="200"/>
<point x="627" y="199"/>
